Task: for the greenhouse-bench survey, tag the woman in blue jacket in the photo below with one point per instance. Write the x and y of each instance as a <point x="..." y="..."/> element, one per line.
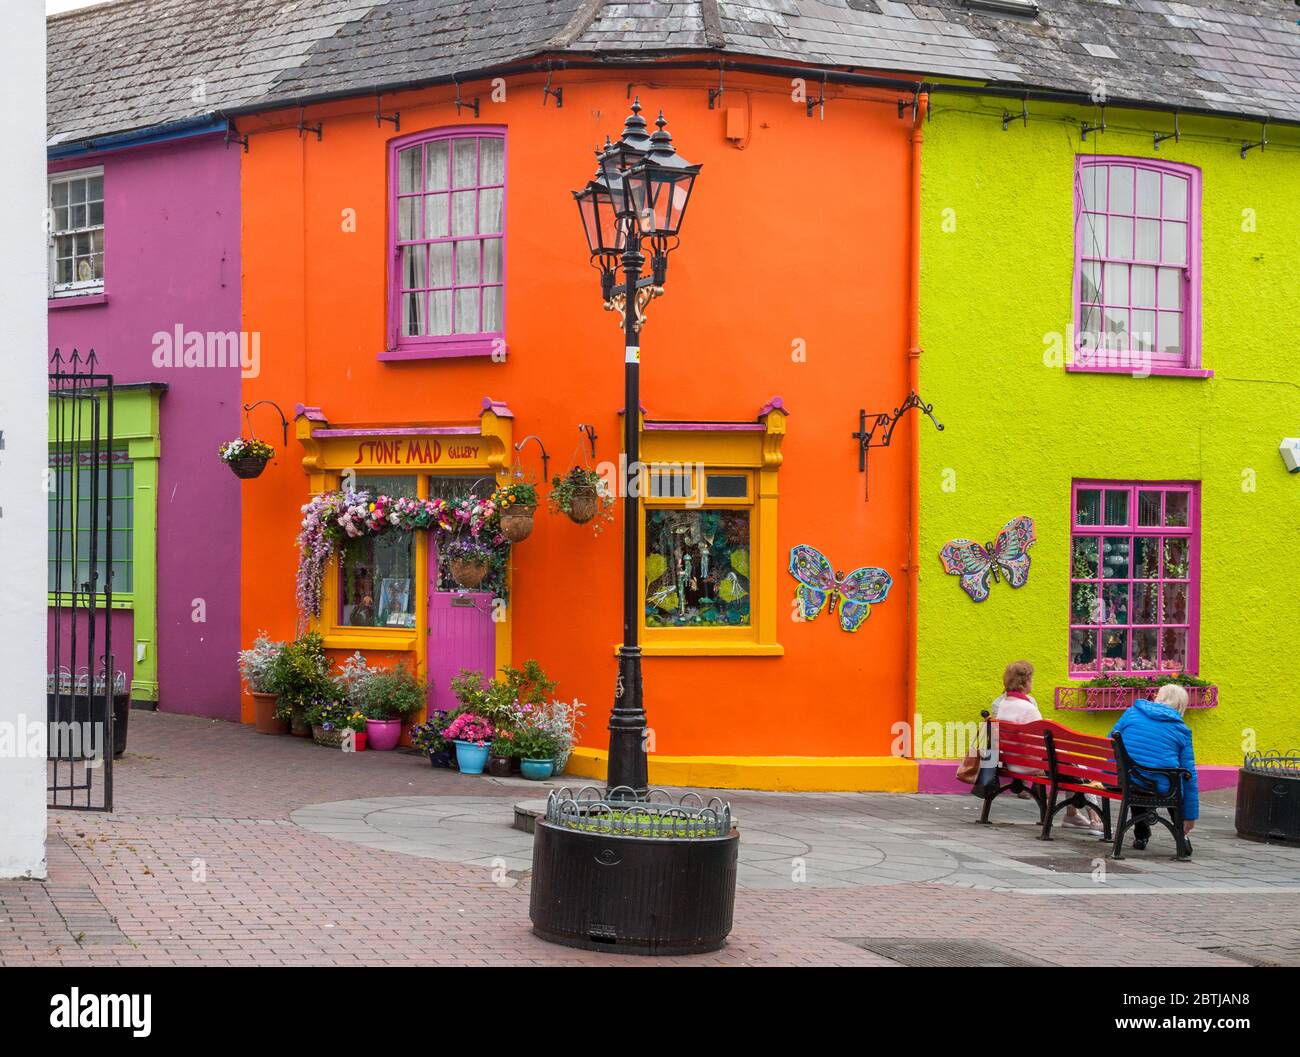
<point x="1156" y="736"/>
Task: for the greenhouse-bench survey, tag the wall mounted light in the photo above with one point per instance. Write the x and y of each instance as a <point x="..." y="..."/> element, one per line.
<point x="1290" y="449"/>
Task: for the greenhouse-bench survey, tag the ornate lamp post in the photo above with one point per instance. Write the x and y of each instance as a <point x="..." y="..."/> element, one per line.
<point x="639" y="195"/>
<point x="658" y="876"/>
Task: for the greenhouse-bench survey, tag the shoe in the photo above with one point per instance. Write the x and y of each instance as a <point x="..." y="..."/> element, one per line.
<point x="1024" y="794"/>
<point x="1079" y="822"/>
<point x="1140" y="843"/>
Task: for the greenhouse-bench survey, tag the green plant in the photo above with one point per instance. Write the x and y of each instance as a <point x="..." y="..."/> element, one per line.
<point x="390" y="693"/>
<point x="533" y="743"/>
<point x="1145" y="682"/>
<point x="505" y="743"/>
<point x="519" y="494"/>
<point x="300" y="676"/>
<point x="584" y="482"/>
<point x="257" y="664"/>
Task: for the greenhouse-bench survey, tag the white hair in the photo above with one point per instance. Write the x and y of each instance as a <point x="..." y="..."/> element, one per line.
<point x="1174" y="696"/>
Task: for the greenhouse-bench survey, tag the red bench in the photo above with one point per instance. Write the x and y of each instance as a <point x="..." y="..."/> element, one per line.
<point x="1062" y="766"/>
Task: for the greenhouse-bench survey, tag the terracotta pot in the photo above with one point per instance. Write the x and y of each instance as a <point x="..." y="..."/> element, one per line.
<point x="499" y="766"/>
<point x="264" y="721"/>
<point x="583" y="505"/>
<point x="517" y="523"/>
<point x="247" y="467"/>
<point x="466" y="573"/>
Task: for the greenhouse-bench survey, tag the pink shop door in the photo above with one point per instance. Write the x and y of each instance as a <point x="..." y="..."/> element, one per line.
<point x="461" y="634"/>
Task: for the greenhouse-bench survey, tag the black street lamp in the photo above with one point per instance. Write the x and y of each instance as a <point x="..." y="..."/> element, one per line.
<point x="640" y="192"/>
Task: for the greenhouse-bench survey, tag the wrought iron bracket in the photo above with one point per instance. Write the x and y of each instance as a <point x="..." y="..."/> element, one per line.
<point x="818" y="103"/>
<point x="1008" y="117"/>
<point x="1246" y="148"/>
<point x="284" y="422"/>
<point x="232" y="136"/>
<point x="546" y="458"/>
<point x="1159" y="137"/>
<point x="869" y="424"/>
<point x="1085" y="128"/>
<point x="303" y="129"/>
<point x="590" y="432"/>
<point x="468" y="104"/>
<point x="715" y="94"/>
<point x="548" y="91"/>
<point x="381" y="117"/>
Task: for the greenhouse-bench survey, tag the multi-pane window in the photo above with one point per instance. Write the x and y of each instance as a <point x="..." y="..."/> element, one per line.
<point x="449" y="250"/>
<point x="76" y="222"/>
<point x="1134" y="578"/>
<point x="78" y="512"/>
<point x="1136" y="282"/>
<point x="377" y="573"/>
<point x="697" y="548"/>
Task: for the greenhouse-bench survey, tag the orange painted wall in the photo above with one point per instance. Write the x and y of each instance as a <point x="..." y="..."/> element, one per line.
<point x="802" y="234"/>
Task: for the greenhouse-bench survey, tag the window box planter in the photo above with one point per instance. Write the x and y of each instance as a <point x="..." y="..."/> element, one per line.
<point x="1118" y="698"/>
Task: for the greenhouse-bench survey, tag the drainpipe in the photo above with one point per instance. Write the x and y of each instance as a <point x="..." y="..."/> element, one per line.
<point x="914" y="421"/>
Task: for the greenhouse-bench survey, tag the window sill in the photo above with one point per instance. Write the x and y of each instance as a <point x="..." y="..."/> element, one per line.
<point x="1154" y="372"/>
<point x="77" y="300"/>
<point x="397" y="640"/>
<point x="710" y="649"/>
<point x="470" y="345"/>
<point x="118" y="601"/>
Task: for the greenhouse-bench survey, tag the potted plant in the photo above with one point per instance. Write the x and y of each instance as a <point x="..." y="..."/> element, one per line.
<point x="300" y="678"/>
<point x="560" y="721"/>
<point x="329" y="722"/>
<point x="246" y="456"/>
<point x="387" y="697"/>
<point x="516" y="504"/>
<point x="468" y="559"/>
<point x="428" y="738"/>
<point x="537" y="749"/>
<point x="581" y="494"/>
<point x="356" y="725"/>
<point x="257" y="665"/>
<point x="502" y="753"/>
<point x="473" y="736"/>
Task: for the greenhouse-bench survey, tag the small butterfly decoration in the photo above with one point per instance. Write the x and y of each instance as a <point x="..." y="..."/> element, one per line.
<point x="818" y="581"/>
<point x="1007" y="557"/>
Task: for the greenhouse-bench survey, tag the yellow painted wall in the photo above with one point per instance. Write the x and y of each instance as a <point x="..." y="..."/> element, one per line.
<point x="997" y="260"/>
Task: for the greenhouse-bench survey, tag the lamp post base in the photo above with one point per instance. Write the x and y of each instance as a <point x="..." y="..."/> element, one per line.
<point x="627" y="768"/>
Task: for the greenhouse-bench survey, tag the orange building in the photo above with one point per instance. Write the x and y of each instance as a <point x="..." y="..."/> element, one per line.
<point x="423" y="298"/>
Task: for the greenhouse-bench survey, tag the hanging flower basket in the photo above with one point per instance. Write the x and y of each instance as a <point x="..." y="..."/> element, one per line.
<point x="517" y="523"/>
<point x="580" y="495"/>
<point x="516" y="504"/>
<point x="246" y="456"/>
<point x="468" y="574"/>
<point x="468" y="561"/>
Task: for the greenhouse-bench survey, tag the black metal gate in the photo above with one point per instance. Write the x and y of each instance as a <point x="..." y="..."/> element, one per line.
<point x="84" y="687"/>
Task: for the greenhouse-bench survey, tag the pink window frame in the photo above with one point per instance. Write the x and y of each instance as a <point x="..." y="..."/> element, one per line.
<point x="1188" y="365"/>
<point x="1190" y="532"/>
<point x="441" y="346"/>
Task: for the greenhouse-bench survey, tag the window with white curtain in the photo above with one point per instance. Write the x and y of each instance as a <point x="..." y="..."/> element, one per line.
<point x="448" y="245"/>
<point x="76" y="232"/>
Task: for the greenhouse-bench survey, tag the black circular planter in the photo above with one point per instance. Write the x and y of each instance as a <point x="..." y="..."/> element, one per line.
<point x="633" y="894"/>
<point x="1268" y="798"/>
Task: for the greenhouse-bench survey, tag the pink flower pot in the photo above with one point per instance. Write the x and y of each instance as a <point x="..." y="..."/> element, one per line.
<point x="382" y="734"/>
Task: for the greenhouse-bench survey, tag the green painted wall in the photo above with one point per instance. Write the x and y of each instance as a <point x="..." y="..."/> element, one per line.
<point x="997" y="259"/>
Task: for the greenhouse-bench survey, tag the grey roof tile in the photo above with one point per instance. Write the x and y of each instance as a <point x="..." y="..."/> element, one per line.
<point x="136" y="63"/>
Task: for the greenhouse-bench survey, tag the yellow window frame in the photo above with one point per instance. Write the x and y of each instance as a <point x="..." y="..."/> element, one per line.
<point x="700" y="451"/>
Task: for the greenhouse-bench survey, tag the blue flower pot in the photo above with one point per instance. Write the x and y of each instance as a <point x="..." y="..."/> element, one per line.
<point x="470" y="757"/>
<point x="536" y="770"/>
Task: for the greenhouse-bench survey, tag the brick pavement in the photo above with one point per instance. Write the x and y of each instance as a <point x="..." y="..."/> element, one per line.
<point x="202" y="863"/>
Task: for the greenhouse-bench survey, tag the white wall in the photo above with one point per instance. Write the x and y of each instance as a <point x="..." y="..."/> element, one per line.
<point x="23" y="353"/>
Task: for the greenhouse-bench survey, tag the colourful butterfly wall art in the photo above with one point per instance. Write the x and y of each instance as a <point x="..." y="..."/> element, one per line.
<point x="1007" y="556"/>
<point x="818" y="582"/>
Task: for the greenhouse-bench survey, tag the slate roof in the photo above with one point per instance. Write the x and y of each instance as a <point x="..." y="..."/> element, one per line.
<point x="138" y="63"/>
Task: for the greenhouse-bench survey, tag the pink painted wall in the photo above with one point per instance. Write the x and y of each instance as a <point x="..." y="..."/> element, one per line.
<point x="171" y="256"/>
